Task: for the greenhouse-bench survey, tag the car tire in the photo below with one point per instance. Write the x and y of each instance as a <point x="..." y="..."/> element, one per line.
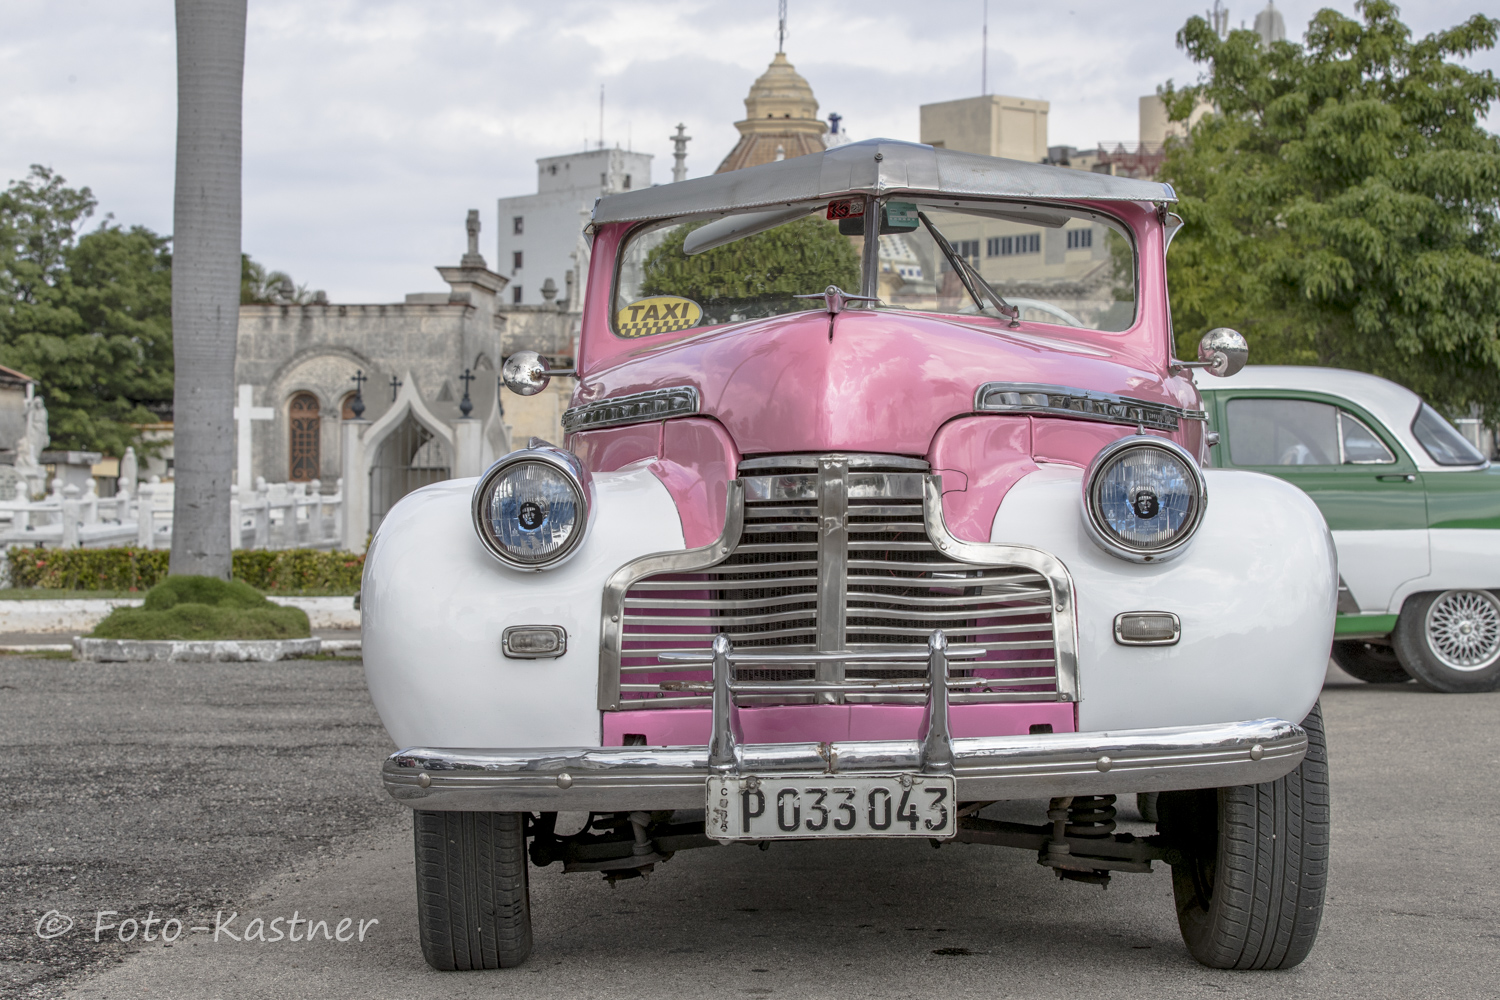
<point x="1145" y="804"/>
<point x="1450" y="641"/>
<point x="473" y="899"/>
<point x="1369" y="662"/>
<point x="1253" y="864"/>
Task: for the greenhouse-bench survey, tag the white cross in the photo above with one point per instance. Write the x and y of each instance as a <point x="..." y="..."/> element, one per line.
<point x="243" y="414"/>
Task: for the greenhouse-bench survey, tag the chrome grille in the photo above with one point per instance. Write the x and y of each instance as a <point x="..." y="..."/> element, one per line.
<point x="831" y="554"/>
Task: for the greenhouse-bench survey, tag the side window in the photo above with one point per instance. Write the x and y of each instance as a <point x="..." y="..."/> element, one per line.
<point x="1282" y="432"/>
<point x="1446" y="445"/>
<point x="1361" y="446"/>
<point x="1300" y="432"/>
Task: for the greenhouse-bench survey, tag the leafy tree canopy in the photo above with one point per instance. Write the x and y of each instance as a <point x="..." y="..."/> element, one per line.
<point x="89" y="314"/>
<point x="259" y="286"/>
<point x="755" y="276"/>
<point x="1343" y="201"/>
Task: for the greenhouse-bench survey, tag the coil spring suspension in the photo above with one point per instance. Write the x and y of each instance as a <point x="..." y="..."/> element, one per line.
<point x="1083" y="816"/>
<point x="1091" y="816"/>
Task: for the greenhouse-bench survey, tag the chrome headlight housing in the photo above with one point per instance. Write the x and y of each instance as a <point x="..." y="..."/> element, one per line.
<point x="532" y="508"/>
<point x="1143" y="498"/>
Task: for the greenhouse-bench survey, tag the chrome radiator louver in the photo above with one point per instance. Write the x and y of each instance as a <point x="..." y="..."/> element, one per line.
<point x="836" y="553"/>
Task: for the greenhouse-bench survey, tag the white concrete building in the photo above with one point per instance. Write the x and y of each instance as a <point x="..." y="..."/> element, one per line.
<point x="538" y="233"/>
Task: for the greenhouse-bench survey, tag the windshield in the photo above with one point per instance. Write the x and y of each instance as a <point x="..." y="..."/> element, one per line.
<point x="1050" y="264"/>
<point x="662" y="288"/>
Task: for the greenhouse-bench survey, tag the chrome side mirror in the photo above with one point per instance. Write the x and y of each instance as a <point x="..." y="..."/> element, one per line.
<point x="1221" y="352"/>
<point x="525" y="374"/>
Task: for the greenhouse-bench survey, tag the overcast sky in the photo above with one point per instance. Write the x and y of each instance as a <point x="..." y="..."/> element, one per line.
<point x="371" y="126"/>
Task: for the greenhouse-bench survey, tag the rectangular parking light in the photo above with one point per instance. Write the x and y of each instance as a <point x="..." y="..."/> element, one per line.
<point x="534" y="642"/>
<point x="1147" y="628"/>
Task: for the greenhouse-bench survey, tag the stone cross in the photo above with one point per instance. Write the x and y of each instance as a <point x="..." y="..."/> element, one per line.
<point x="473" y="258"/>
<point x="243" y="414"/>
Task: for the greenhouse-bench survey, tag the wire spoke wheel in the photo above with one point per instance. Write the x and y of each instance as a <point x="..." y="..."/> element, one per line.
<point x="1463" y="629"/>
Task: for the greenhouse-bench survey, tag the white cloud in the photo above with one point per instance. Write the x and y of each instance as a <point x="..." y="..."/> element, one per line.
<point x="371" y="126"/>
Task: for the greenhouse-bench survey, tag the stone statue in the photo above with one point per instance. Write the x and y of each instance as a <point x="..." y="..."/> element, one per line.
<point x="130" y="471"/>
<point x="36" y="425"/>
<point x="31" y="445"/>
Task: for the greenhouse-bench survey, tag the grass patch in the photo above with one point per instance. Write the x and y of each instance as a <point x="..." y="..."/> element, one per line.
<point x="40" y="654"/>
<point x="201" y="607"/>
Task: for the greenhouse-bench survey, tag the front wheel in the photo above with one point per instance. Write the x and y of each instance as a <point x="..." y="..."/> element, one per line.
<point x="1369" y="662"/>
<point x="1450" y="642"/>
<point x="1254" y="865"/>
<point x="473" y="900"/>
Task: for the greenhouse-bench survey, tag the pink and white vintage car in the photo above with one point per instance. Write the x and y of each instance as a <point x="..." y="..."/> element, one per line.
<point x="882" y="500"/>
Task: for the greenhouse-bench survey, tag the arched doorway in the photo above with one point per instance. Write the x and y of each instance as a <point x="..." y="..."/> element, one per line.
<point x="305" y="428"/>
<point x="409" y="458"/>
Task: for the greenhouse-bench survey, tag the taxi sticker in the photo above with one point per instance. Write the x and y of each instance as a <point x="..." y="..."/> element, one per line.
<point x="658" y="314"/>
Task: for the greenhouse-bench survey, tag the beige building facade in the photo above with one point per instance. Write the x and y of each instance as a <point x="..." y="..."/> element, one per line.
<point x="991" y="125"/>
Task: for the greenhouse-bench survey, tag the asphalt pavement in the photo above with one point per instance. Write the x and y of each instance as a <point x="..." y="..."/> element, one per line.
<point x="179" y="791"/>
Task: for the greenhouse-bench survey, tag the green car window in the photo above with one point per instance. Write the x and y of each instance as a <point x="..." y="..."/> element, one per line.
<point x="1445" y="444"/>
<point x="1283" y="432"/>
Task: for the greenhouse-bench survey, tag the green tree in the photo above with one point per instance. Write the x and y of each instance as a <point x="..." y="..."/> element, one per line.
<point x="755" y="276"/>
<point x="89" y="316"/>
<point x="1343" y="201"/>
<point x="258" y="286"/>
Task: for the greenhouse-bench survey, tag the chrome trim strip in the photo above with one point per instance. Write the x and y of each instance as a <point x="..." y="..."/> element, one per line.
<point x="1083" y="404"/>
<point x="987" y="767"/>
<point x="639" y="407"/>
<point x="615" y="588"/>
<point x="833" y="561"/>
<point x="800" y="487"/>
<point x="1064" y="624"/>
<point x="855" y="460"/>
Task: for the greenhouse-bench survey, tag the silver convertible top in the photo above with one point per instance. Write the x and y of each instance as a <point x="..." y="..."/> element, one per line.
<point x="878" y="167"/>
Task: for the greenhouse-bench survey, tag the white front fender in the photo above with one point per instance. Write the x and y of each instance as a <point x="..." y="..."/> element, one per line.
<point x="435" y="603"/>
<point x="1255" y="591"/>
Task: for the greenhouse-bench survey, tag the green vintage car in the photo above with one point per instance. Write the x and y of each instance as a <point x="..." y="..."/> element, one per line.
<point x="1413" y="506"/>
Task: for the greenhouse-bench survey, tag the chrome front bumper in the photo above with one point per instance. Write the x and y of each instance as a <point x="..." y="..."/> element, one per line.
<point x="609" y="779"/>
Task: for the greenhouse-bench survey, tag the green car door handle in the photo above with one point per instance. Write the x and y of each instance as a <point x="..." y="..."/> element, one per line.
<point x="1397" y="479"/>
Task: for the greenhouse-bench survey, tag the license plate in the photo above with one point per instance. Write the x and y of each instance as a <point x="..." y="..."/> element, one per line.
<point x="799" y="806"/>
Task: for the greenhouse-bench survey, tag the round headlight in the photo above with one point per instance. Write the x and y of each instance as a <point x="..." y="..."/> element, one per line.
<point x="1143" y="498"/>
<point x="531" y="508"/>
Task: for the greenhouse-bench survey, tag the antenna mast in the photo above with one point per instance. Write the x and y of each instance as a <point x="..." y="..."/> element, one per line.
<point x="781" y="27"/>
<point x="984" y="59"/>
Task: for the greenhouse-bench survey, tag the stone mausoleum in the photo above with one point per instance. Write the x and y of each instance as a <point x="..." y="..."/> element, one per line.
<point x="392" y="396"/>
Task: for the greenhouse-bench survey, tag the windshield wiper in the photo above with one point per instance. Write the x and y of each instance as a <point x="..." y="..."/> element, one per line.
<point x="969" y="275"/>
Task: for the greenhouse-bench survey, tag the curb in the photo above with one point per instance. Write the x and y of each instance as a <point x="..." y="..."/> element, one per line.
<point x="198" y="651"/>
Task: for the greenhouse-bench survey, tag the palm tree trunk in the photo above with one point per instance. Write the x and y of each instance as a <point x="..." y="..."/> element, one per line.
<point x="206" y="278"/>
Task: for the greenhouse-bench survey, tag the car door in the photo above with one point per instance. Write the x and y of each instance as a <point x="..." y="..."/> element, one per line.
<point x="1366" y="485"/>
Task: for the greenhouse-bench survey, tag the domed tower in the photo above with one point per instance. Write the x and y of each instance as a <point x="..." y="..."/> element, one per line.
<point x="781" y="119"/>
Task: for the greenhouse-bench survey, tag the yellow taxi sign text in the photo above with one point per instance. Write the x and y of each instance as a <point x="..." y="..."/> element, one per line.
<point x="658" y="314"/>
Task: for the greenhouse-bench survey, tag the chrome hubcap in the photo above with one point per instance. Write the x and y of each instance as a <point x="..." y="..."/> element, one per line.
<point x="1463" y="629"/>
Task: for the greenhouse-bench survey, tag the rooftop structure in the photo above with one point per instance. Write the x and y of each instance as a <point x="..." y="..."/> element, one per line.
<point x="781" y="119"/>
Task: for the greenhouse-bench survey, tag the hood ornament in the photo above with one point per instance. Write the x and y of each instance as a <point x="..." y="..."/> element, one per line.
<point x="835" y="298"/>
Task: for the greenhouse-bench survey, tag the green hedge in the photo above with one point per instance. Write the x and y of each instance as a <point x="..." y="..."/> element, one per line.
<point x="291" y="570"/>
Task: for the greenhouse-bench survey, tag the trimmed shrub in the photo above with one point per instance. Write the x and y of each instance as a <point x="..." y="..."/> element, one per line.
<point x="129" y="568"/>
<point x="201" y="607"/>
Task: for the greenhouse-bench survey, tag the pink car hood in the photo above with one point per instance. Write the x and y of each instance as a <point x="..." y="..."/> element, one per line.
<point x="884" y="382"/>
